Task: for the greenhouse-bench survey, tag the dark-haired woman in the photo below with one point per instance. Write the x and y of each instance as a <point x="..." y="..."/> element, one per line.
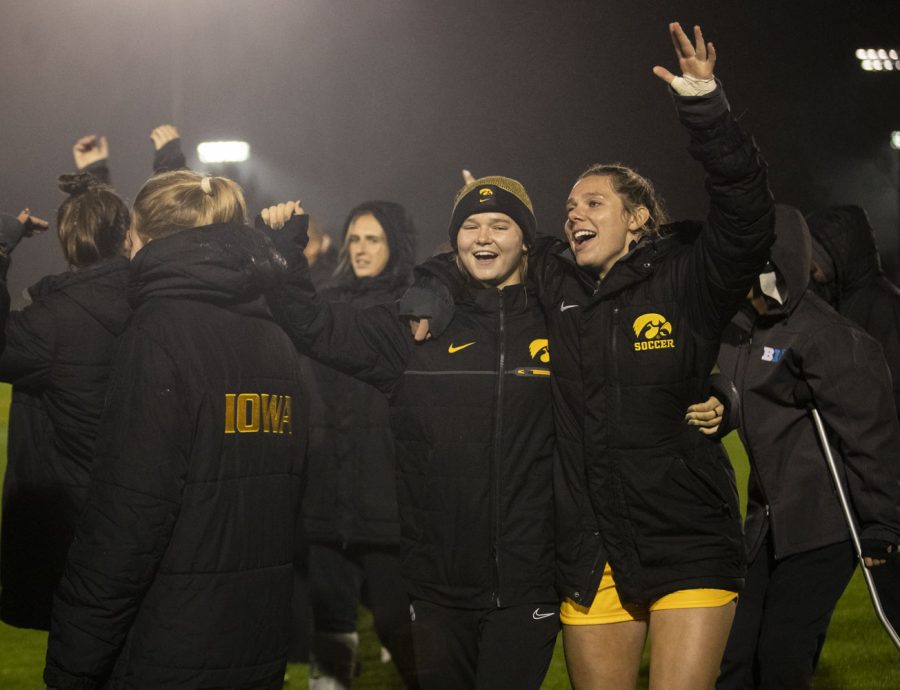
<point x="57" y="357"/>
<point x="350" y="498"/>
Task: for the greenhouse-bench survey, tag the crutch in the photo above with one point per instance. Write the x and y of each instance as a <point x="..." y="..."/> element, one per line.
<point x="851" y="522"/>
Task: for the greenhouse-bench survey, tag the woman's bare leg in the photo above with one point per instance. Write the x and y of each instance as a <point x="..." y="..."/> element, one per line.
<point x="604" y="656"/>
<point x="686" y="646"/>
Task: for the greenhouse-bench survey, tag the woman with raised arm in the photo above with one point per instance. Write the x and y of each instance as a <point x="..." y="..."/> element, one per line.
<point x="473" y="432"/>
<point x="57" y="358"/>
<point x="649" y="536"/>
<point x="180" y="573"/>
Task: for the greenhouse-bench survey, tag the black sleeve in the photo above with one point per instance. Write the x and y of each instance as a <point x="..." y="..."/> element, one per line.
<point x="850" y="384"/>
<point x="99" y="169"/>
<point x="31" y="340"/>
<point x="734" y="245"/>
<point x="169" y="157"/>
<point x="724" y="389"/>
<point x="437" y="283"/>
<point x="133" y="499"/>
<point x="370" y="344"/>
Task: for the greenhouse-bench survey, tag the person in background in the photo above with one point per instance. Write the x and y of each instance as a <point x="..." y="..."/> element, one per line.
<point x="846" y="272"/>
<point x="181" y="570"/>
<point x="797" y="540"/>
<point x="57" y="358"/>
<point x="350" y="500"/>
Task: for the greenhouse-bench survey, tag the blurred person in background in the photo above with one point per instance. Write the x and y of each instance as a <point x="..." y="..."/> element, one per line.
<point x="350" y="499"/>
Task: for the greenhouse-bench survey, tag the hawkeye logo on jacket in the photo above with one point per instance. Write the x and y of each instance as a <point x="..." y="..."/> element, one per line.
<point x="538" y="349"/>
<point x="249" y="413"/>
<point x="653" y="332"/>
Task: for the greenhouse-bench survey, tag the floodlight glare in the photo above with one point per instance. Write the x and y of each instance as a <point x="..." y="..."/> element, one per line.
<point x="878" y="59"/>
<point x="223" y="151"/>
<point x="895" y="140"/>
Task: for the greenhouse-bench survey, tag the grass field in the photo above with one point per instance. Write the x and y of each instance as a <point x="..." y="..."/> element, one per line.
<point x="857" y="653"/>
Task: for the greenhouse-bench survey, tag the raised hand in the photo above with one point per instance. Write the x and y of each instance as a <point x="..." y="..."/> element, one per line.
<point x="162" y="135"/>
<point x="90" y="149"/>
<point x="32" y="224"/>
<point x="276" y="216"/>
<point x="695" y="60"/>
<point x="468" y="176"/>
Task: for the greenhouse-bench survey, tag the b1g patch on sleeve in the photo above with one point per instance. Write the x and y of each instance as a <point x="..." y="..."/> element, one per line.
<point x="653" y="332"/>
<point x="253" y="413"/>
<point x="772" y="354"/>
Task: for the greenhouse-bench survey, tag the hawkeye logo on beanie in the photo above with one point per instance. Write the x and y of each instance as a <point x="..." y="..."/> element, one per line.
<point x="485" y="194"/>
<point x="653" y="332"/>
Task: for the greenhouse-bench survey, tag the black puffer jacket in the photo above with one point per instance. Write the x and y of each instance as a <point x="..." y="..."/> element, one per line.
<point x="472" y="421"/>
<point x="636" y="486"/>
<point x="350" y="493"/>
<point x="803" y="341"/>
<point x="180" y="574"/>
<point x="58" y="355"/>
<point x="862" y="292"/>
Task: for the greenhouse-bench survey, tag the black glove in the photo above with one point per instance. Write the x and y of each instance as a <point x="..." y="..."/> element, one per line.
<point x="877" y="548"/>
<point x="169" y="157"/>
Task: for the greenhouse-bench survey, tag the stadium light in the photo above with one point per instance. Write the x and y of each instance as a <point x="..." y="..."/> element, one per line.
<point x="878" y="59"/>
<point x="223" y="151"/>
<point x="895" y="140"/>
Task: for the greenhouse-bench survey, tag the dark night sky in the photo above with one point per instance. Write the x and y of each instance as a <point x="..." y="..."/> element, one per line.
<point x="348" y="100"/>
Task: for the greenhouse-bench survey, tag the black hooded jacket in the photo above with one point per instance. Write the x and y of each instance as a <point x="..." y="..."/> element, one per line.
<point x="773" y="358"/>
<point x="58" y="355"/>
<point x="472" y="421"/>
<point x="180" y="574"/>
<point x="350" y="493"/>
<point x="862" y="292"/>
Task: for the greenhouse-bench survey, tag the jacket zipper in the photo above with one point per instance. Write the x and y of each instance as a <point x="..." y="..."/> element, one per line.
<point x="497" y="454"/>
<point x="741" y="366"/>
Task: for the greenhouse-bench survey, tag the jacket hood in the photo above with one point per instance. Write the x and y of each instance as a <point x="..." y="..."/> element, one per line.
<point x="99" y="289"/>
<point x="848" y="237"/>
<point x="222" y="264"/>
<point x="400" y="232"/>
<point x="791" y="255"/>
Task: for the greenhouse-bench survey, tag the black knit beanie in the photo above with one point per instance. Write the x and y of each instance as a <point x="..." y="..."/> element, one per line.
<point x="497" y="194"/>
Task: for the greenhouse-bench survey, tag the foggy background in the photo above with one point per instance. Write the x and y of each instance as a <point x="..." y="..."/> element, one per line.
<point x="348" y="100"/>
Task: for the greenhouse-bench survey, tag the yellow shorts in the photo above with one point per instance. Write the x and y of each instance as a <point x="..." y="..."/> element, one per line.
<point x="607" y="608"/>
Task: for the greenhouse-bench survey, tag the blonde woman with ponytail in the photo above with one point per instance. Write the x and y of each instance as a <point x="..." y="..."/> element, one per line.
<point x="181" y="571"/>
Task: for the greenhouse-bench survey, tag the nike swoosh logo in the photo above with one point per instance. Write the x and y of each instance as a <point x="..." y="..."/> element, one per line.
<point x="537" y="615"/>
<point x="454" y="348"/>
<point x="563" y="306"/>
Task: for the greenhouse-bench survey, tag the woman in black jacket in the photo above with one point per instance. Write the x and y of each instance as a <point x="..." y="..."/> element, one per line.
<point x="349" y="497"/>
<point x="473" y="432"/>
<point x="180" y="573"/>
<point x="57" y="358"/>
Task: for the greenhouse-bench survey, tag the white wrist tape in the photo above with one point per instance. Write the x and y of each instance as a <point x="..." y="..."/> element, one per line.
<point x="686" y="85"/>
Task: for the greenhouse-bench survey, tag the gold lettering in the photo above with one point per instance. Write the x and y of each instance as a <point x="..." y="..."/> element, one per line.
<point x="286" y="415"/>
<point x="271" y="412"/>
<point x="247" y="412"/>
<point x="645" y="345"/>
<point x="229" y="413"/>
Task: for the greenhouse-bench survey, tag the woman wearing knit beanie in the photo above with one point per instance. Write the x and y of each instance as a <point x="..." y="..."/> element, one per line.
<point x="473" y="431"/>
